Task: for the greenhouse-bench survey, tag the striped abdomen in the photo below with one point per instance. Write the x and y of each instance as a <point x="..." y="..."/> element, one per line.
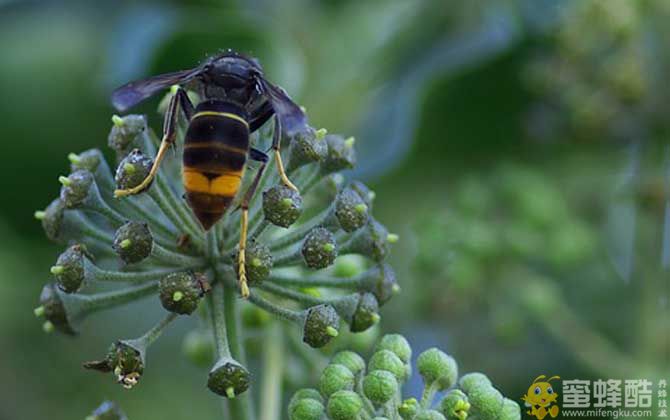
<point x="215" y="153"/>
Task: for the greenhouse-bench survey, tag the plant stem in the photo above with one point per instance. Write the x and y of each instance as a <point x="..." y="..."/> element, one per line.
<point x="428" y="394"/>
<point x="241" y="406"/>
<point x="216" y="308"/>
<point x="273" y="364"/>
<point x="99" y="274"/>
<point x="270" y="307"/>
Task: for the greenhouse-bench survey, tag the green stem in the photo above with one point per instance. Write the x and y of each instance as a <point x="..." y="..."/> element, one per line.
<point x="216" y="308"/>
<point x="174" y="258"/>
<point x="240" y="407"/>
<point x="273" y="371"/>
<point x="428" y="394"/>
<point x="99" y="274"/>
<point x="270" y="307"/>
<point x="298" y="234"/>
<point x="156" y="331"/>
<point x="316" y="280"/>
<point x="80" y="306"/>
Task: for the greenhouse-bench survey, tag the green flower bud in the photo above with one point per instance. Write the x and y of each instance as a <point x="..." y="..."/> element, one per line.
<point x="455" y="405"/>
<point x="258" y="262"/>
<point x="125" y="131"/>
<point x="408" y="408"/>
<point x="429" y="415"/>
<point x="470" y="381"/>
<point x="133" y="242"/>
<point x="52" y="219"/>
<point x="510" y="410"/>
<point x="486" y="402"/>
<point x="344" y="405"/>
<point x="181" y="292"/>
<point x="367" y="313"/>
<point x="76" y="188"/>
<point x="306" y="147"/>
<point x="125" y="360"/>
<point x="371" y="240"/>
<point x="53" y="310"/>
<point x="380" y="386"/>
<point x="108" y="410"/>
<point x="306" y="409"/>
<point x="198" y="346"/>
<point x="381" y="281"/>
<point x="88" y="160"/>
<point x="351" y="210"/>
<point x="319" y="249"/>
<point x="353" y="361"/>
<point x="387" y="360"/>
<point x="228" y="378"/>
<point x="69" y="269"/>
<point x="132" y="170"/>
<point x="305" y="394"/>
<point x="282" y="206"/>
<point x="322" y="324"/>
<point x="335" y="378"/>
<point x="435" y="366"/>
<point x="397" y="344"/>
<point x="340" y="155"/>
<point x="349" y="265"/>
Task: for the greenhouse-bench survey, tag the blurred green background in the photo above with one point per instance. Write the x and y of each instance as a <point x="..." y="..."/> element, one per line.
<point x="519" y="148"/>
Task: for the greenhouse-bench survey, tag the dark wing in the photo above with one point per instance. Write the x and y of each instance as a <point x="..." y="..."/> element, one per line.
<point x="290" y="115"/>
<point x="133" y="93"/>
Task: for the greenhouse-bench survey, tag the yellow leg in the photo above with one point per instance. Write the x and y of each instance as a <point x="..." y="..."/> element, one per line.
<point x="241" y="256"/>
<point x="282" y="173"/>
<point x="165" y="144"/>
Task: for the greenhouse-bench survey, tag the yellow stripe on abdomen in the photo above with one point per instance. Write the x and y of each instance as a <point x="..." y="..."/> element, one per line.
<point x="227" y="184"/>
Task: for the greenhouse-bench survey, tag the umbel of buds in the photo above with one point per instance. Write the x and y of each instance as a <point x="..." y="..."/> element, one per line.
<point x="150" y="245"/>
<point x="349" y="388"/>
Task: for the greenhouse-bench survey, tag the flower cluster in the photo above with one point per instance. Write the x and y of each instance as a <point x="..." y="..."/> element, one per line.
<point x="350" y="389"/>
<point x="150" y="244"/>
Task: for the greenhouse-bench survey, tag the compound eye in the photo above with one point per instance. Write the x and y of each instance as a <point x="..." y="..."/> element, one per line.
<point x="537" y="391"/>
<point x="550" y="390"/>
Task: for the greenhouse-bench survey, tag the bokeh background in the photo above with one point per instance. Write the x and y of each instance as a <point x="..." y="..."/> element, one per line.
<point x="519" y="148"/>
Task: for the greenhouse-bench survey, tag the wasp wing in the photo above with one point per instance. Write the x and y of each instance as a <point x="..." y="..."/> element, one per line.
<point x="290" y="115"/>
<point x="135" y="92"/>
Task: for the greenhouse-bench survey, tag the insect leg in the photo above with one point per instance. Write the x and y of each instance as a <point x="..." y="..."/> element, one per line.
<point x="244" y="220"/>
<point x="276" y="145"/>
<point x="179" y="100"/>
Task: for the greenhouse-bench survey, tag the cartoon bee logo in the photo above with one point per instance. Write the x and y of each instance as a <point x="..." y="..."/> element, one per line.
<point x="541" y="398"/>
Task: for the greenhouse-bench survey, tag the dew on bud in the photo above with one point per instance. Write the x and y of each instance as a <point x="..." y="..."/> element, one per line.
<point x="181" y="292"/>
<point x="69" y="269"/>
<point x="228" y="378"/>
<point x="350" y="209"/>
<point x="132" y="170"/>
<point x="76" y="188"/>
<point x="319" y="249"/>
<point x="340" y="155"/>
<point x="322" y="324"/>
<point x="124" y="132"/>
<point x="282" y="205"/>
<point x="133" y="242"/>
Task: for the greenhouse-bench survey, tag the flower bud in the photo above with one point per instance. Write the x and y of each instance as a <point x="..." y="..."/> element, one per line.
<point x="319" y="249"/>
<point x="75" y="188"/>
<point x="364" y="192"/>
<point x="304" y="394"/>
<point x="429" y="415"/>
<point x="306" y="409"/>
<point x="88" y="160"/>
<point x="132" y="170"/>
<point x="397" y="344"/>
<point x="181" y="292"/>
<point x="367" y="313"/>
<point x="435" y="366"/>
<point x="470" y="381"/>
<point x="486" y="402"/>
<point x="455" y="405"/>
<point x="353" y="361"/>
<point x="344" y="405"/>
<point x="381" y="281"/>
<point x="306" y="147"/>
<point x="408" y="408"/>
<point x="52" y="219"/>
<point x="340" y="155"/>
<point x="69" y="269"/>
<point x="125" y="360"/>
<point x="380" y="386"/>
<point x="258" y="262"/>
<point x="510" y="410"/>
<point x="198" y="346"/>
<point x="371" y="240"/>
<point x="387" y="360"/>
<point x="133" y="242"/>
<point x="108" y="410"/>
<point x="350" y="209"/>
<point x="53" y="310"/>
<point x="322" y="324"/>
<point x="335" y="378"/>
<point x="282" y="206"/>
<point x="124" y="131"/>
<point x="228" y="378"/>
